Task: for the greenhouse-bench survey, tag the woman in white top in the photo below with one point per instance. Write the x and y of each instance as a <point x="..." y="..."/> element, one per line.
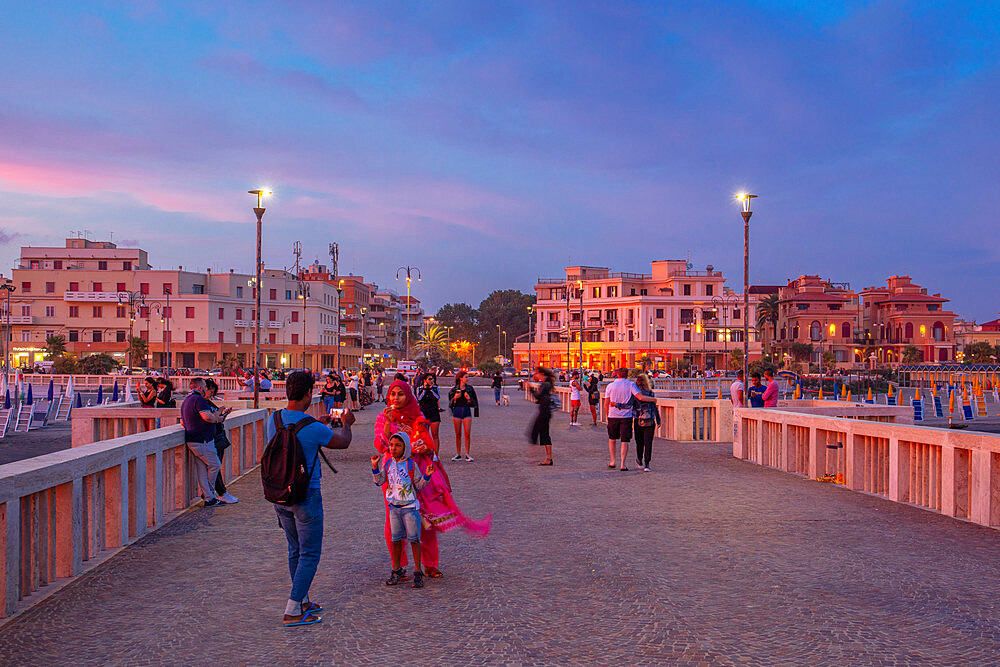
<point x="574" y="398"/>
<point x="352" y="390"/>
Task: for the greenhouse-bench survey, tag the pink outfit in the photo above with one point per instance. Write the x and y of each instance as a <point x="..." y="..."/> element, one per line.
<point x="771" y="395"/>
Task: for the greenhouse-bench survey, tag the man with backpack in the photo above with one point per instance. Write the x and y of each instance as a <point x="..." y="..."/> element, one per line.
<point x="290" y="473"/>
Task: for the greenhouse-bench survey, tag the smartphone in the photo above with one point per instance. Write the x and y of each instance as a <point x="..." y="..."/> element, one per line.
<point x="336" y="413"/>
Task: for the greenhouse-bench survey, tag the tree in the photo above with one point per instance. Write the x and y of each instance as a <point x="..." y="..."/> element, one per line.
<point x="767" y="313"/>
<point x="735" y="359"/>
<point x="801" y="351"/>
<point x="433" y="341"/>
<point x="489" y="367"/>
<point x="463" y="318"/>
<point x="65" y="366"/>
<point x="137" y="350"/>
<point x="231" y="363"/>
<point x="509" y="309"/>
<point x="98" y="364"/>
<point x="645" y="361"/>
<point x="829" y="360"/>
<point x="979" y="353"/>
<point x="911" y="354"/>
<point x="758" y="366"/>
<point x="55" y="346"/>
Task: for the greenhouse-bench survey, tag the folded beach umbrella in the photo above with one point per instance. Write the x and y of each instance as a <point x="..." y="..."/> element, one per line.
<point x="6" y="400"/>
<point x="100" y="394"/>
<point x="29" y="399"/>
<point x="79" y="401"/>
<point x="128" y="391"/>
<point x="52" y="391"/>
<point x="114" y="393"/>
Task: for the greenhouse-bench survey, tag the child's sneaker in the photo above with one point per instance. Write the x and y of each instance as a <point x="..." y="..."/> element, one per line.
<point x="395" y="577"/>
<point x="418" y="579"/>
<point x="456" y="457"/>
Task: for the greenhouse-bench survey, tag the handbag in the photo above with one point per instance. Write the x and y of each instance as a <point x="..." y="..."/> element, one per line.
<point x="222" y="439"/>
<point x="646" y="422"/>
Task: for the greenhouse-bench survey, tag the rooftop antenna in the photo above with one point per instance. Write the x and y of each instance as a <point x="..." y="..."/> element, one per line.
<point x="334" y="258"/>
<point x="689" y="264"/>
<point x="297" y="251"/>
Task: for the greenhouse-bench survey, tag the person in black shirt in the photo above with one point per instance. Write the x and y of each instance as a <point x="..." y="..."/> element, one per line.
<point x="546" y="380"/>
<point x="497" y="386"/>
<point x="463" y="403"/>
<point x="222" y="443"/>
<point x="147" y="393"/>
<point x="593" y="396"/>
<point x="165" y="396"/>
<point x="428" y="395"/>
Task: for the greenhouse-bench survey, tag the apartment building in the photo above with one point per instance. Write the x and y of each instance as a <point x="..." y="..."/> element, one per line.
<point x="96" y="294"/>
<point x="902" y="313"/>
<point x="671" y="313"/>
<point x="818" y="312"/>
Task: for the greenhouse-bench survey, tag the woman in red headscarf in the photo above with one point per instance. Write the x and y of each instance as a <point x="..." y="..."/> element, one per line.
<point x="437" y="507"/>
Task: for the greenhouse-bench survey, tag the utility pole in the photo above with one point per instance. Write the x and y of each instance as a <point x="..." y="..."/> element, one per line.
<point x="580" y="360"/>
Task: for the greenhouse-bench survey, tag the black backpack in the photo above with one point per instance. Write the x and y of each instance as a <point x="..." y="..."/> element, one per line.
<point x="283" y="470"/>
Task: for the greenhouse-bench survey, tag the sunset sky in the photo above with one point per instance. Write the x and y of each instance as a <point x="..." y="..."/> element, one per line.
<point x="489" y="143"/>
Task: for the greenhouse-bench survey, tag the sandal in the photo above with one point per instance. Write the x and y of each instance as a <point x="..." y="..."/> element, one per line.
<point x="612" y="466"/>
<point x="546" y="462"/>
<point x="418" y="579"/>
<point x="434" y="573"/>
<point x="311" y="608"/>
<point x="396" y="577"/>
<point x="624" y="469"/>
<point x="304" y="619"/>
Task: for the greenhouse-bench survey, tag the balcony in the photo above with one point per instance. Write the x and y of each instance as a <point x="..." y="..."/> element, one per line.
<point x="274" y="325"/>
<point x="553" y="324"/>
<point x="19" y="319"/>
<point x="102" y="297"/>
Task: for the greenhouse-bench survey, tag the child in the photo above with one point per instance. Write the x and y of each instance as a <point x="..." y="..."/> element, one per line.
<point x="404" y="508"/>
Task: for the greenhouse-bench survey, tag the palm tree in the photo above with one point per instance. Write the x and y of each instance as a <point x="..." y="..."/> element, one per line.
<point x="432" y="341"/>
<point x="137" y="350"/>
<point x="767" y="313"/>
<point x="55" y="346"/>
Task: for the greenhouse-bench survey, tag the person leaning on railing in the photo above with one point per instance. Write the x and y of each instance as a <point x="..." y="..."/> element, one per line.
<point x="147" y="393"/>
<point x="199" y="433"/>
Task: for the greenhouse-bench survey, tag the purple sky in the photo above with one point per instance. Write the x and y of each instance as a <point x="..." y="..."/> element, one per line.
<point x="489" y="143"/>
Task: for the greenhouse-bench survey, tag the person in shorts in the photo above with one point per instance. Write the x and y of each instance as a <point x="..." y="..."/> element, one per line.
<point x="620" y="394"/>
<point x="574" y="399"/>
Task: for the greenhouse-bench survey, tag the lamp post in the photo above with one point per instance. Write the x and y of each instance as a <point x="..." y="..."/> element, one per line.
<point x="134" y="300"/>
<point x="361" y="363"/>
<point x="166" y="292"/>
<point x="579" y="284"/>
<point x="409" y="277"/>
<point x="259" y="212"/>
<point x="568" y="334"/>
<point x="498" y="340"/>
<point x="725" y="302"/>
<point x="340" y="295"/>
<point x="504" y="354"/>
<point x="304" y="295"/>
<point x="9" y="288"/>
<point x="531" y="320"/>
<point x="745" y="200"/>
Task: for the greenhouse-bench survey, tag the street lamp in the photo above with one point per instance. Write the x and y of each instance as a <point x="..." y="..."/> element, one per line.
<point x="135" y="301"/>
<point x="9" y="288"/>
<point x="745" y="200"/>
<point x="304" y="295"/>
<point x="409" y="270"/>
<point x="725" y="302"/>
<point x="363" y="311"/>
<point x="498" y="341"/>
<point x="259" y="212"/>
<point x="531" y="320"/>
<point x="579" y="284"/>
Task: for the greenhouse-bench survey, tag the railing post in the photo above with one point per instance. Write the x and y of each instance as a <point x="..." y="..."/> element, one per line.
<point x="817" y="454"/>
<point x="11" y="515"/>
<point x="985" y="508"/>
<point x="158" y="509"/>
<point x="899" y="471"/>
<point x="139" y="494"/>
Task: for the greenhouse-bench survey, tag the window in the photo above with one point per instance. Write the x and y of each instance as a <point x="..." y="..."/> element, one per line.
<point x="834" y="306"/>
<point x="102" y="265"/>
<point x="97" y="336"/>
<point x="239" y="291"/>
<point x="222" y="337"/>
<point x="74" y="311"/>
<point x="57" y="264"/>
<point x="50" y="311"/>
<point x="736" y="313"/>
<point x="815" y="330"/>
<point x="271" y="338"/>
<point x="631" y="334"/>
<point x="189" y="312"/>
<point x="126" y="266"/>
<point x="295" y="316"/>
<point x="632" y="293"/>
<point x="197" y="289"/>
<point x="802" y="306"/>
<point x="120" y="287"/>
<point x="26" y="311"/>
<point x="628" y="318"/>
<point x="25" y="336"/>
<point x="120" y="336"/>
<point x="74" y="335"/>
<point x="711" y="335"/>
<point x="659" y="313"/>
<point x="168" y="288"/>
<point x="659" y="335"/>
<point x="167" y="312"/>
<point x="611" y="316"/>
<point x="50" y="288"/>
<point x="795" y="332"/>
<point x="120" y="311"/>
<point x="686" y="290"/>
<point x="144" y="311"/>
<point x="98" y="311"/>
<point x="612" y="291"/>
<point x="272" y="315"/>
<point x="222" y="313"/>
<point x="709" y="290"/>
<point x="643" y="292"/>
<point x="288" y="295"/>
<point x="687" y="335"/>
<point x="933" y="306"/>
<point x="239" y="338"/>
<point x="845" y="330"/>
<point x="188" y="336"/>
<point x="143" y="288"/>
<point x="595" y="292"/>
<point x="98" y="287"/>
<point x="273" y="294"/>
<point x="239" y="313"/>
<point x="144" y="335"/>
<point x="938" y="331"/>
<point x="295" y="339"/>
<point x="687" y="315"/>
<point x="26" y="287"/>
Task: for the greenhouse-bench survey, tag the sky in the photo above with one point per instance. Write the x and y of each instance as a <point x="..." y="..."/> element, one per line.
<point x="490" y="143"/>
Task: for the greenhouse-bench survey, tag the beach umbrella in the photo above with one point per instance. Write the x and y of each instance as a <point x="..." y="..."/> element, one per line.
<point x="6" y="399"/>
<point x="114" y="393"/>
<point x="821" y="390"/>
<point x="870" y="392"/>
<point x="917" y="396"/>
<point x="79" y="401"/>
<point x="69" y="386"/>
<point x="100" y="394"/>
<point x="848" y="395"/>
<point x="52" y="391"/>
<point x="29" y="399"/>
<point x="951" y="402"/>
<point x="128" y="391"/>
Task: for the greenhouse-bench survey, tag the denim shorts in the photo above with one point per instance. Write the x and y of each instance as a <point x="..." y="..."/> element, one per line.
<point x="459" y="412"/>
<point x="404" y="522"/>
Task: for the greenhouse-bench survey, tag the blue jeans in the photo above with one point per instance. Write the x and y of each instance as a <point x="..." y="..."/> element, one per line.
<point x="496" y="394"/>
<point x="328" y="403"/>
<point x="404" y="522"/>
<point x="303" y="526"/>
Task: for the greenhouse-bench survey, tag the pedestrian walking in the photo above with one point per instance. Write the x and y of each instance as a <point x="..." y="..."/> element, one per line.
<point x="352" y="388"/>
<point x="222" y="443"/>
<point x="647" y="419"/>
<point x="429" y="398"/>
<point x="328" y="392"/>
<point x="497" y="386"/>
<point x="199" y="420"/>
<point x="464" y="403"/>
<point x="380" y="384"/>
<point x="540" y="434"/>
<point x="771" y="390"/>
<point x="574" y="398"/>
<point x="593" y="396"/>
<point x="302" y="521"/>
<point x="736" y="390"/>
<point x="619" y="394"/>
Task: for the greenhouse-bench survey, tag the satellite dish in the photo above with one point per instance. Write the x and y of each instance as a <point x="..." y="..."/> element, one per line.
<point x="690" y="266"/>
<point x="709" y="268"/>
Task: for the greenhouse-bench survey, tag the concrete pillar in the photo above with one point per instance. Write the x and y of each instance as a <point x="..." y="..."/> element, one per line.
<point x="817" y="454"/>
<point x="899" y="471"/>
<point x="985" y="488"/>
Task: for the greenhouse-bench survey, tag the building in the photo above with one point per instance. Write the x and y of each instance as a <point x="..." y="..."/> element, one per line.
<point x="620" y="319"/>
<point x="96" y="295"/>
<point x="967" y="332"/>
<point x="901" y="314"/>
<point x="413" y="321"/>
<point x="814" y="311"/>
<point x="387" y="327"/>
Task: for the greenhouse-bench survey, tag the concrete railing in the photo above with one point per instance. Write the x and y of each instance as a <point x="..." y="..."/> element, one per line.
<point x="953" y="472"/>
<point x="92" y="382"/>
<point x="63" y="513"/>
<point x="683" y="419"/>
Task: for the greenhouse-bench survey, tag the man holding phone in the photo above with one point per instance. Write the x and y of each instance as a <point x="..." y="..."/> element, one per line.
<point x="199" y="421"/>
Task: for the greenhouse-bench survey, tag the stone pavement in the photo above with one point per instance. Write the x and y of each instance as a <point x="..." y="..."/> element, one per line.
<point x="706" y="560"/>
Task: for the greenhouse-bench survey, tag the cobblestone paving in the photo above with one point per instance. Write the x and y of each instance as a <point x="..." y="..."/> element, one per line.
<point x="17" y="446"/>
<point x="706" y="560"/>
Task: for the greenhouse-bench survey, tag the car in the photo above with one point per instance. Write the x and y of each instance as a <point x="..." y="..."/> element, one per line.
<point x="509" y="371"/>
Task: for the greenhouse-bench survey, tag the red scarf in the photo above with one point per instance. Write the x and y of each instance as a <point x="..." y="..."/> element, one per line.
<point x="411" y="410"/>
